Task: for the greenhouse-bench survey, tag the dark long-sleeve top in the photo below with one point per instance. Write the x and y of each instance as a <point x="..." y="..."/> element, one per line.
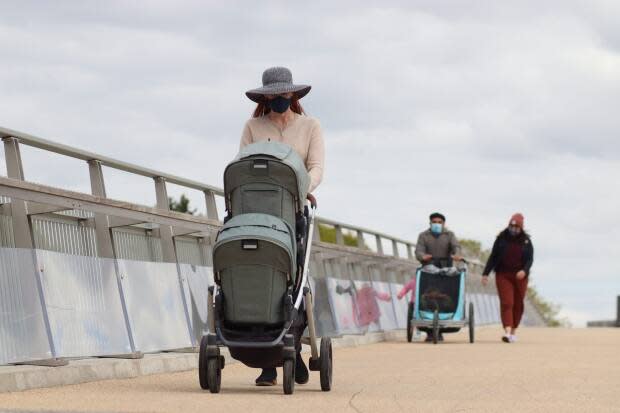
<point x="503" y="246"/>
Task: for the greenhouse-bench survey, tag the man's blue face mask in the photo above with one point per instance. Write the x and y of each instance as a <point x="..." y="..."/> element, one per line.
<point x="436" y="228"/>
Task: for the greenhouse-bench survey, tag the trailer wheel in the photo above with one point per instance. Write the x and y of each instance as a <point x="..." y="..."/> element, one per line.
<point x="435" y="326"/>
<point x="409" y="330"/>
<point x="472" y="323"/>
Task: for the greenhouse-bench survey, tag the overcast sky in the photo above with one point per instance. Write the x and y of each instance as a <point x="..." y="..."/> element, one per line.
<point x="476" y="109"/>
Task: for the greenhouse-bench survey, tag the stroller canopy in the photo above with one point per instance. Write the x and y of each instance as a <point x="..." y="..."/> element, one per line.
<point x="294" y="178"/>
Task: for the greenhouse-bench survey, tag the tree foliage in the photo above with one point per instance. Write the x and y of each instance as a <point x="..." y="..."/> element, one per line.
<point x="473" y="249"/>
<point x="182" y="205"/>
<point x="548" y="311"/>
<point x="328" y="234"/>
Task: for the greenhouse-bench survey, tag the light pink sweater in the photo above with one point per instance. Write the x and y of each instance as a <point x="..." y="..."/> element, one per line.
<point x="302" y="133"/>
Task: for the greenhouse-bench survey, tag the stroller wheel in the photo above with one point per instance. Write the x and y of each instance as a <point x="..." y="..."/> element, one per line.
<point x="202" y="364"/>
<point x="289" y="376"/>
<point x="214" y="374"/>
<point x="435" y="326"/>
<point x="409" y="330"/>
<point x="327" y="363"/>
<point x="471" y="321"/>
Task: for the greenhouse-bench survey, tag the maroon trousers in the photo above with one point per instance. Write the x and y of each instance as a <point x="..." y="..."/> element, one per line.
<point x="511" y="297"/>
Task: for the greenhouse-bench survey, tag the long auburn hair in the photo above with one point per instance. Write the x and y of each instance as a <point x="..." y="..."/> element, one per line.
<point x="262" y="109"/>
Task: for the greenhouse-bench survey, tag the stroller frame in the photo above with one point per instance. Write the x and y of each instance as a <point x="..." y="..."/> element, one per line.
<point x="211" y="362"/>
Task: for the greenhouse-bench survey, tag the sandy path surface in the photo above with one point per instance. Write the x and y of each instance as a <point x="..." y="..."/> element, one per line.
<point x="548" y="370"/>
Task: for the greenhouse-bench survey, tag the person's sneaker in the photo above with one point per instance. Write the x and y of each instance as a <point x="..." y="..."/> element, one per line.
<point x="269" y="377"/>
<point x="506" y="338"/>
<point x="512" y="338"/>
<point x="301" y="371"/>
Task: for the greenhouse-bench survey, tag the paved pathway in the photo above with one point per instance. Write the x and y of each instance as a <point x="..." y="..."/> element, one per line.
<point x="548" y="370"/>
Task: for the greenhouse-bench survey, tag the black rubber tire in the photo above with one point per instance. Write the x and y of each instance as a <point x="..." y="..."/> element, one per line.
<point x="435" y="326"/>
<point x="472" y="323"/>
<point x="202" y="364"/>
<point x="409" y="330"/>
<point x="214" y="374"/>
<point x="327" y="364"/>
<point x="288" y="379"/>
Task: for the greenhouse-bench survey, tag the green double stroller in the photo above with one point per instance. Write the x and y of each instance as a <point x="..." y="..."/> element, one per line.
<point x="261" y="301"/>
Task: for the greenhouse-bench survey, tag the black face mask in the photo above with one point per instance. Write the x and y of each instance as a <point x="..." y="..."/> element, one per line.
<point x="279" y="104"/>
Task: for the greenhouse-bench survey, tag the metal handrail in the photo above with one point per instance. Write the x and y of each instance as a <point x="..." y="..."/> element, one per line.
<point x="355" y="228"/>
<point x="72" y="152"/>
<point x="40" y="143"/>
<point x="61" y="149"/>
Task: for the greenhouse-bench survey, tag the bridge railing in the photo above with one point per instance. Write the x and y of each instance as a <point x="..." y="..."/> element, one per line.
<point x="85" y="275"/>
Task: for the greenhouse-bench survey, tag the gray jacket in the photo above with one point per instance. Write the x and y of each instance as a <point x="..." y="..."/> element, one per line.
<point x="439" y="246"/>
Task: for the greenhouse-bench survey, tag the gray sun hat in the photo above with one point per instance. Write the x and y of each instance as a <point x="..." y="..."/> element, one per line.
<point x="277" y="80"/>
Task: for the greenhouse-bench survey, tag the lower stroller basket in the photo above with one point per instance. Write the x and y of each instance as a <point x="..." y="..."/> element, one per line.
<point x="256" y="308"/>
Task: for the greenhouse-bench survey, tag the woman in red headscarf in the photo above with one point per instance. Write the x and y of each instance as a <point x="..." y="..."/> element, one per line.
<point x="511" y="258"/>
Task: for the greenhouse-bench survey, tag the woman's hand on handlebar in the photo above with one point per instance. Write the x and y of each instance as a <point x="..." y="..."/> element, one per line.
<point x="312" y="200"/>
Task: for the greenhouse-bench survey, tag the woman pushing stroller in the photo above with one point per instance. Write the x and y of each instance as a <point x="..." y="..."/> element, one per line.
<point x="280" y="117"/>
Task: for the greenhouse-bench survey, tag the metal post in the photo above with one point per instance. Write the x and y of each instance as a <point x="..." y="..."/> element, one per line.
<point x="105" y="249"/>
<point x="395" y="248"/>
<point x="320" y="270"/>
<point x="379" y="244"/>
<point x="167" y="243"/>
<point x="389" y="279"/>
<point x="205" y="248"/>
<point x="316" y="236"/>
<point x="360" y="239"/>
<point x="410" y="251"/>
<point x="211" y="206"/>
<point x="14" y="167"/>
<point x="339" y="236"/>
<point x="169" y="249"/>
<point x="19" y="213"/>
